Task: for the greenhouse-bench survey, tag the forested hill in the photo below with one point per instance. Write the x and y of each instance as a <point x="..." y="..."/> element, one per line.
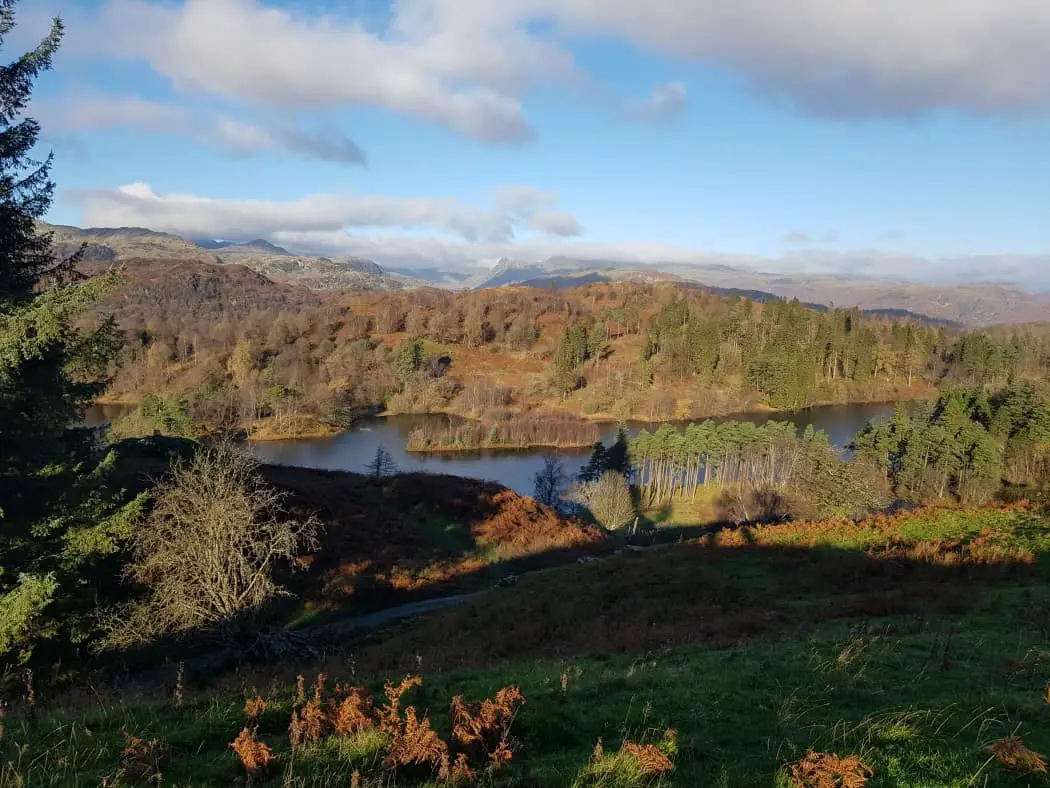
<point x="280" y="359"/>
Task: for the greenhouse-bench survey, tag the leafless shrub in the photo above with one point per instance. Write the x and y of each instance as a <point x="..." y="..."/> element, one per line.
<point x="206" y="555"/>
<point x="608" y="499"/>
<point x="742" y="504"/>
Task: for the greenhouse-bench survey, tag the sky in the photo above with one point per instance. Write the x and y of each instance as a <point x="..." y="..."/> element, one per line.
<point x="894" y="138"/>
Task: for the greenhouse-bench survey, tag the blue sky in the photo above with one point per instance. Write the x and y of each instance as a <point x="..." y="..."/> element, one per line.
<point x="890" y="138"/>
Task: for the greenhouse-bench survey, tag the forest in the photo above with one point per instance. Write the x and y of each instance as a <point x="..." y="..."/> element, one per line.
<point x="221" y="349"/>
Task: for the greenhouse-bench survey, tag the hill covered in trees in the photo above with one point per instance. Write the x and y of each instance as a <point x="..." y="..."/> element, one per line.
<point x="226" y="350"/>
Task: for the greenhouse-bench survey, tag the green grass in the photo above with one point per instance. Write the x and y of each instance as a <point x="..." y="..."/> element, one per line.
<point x="754" y="655"/>
<point x="698" y="509"/>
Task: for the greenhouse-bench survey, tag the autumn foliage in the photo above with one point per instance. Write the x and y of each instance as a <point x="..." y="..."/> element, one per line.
<point x="480" y="738"/>
<point x="256" y="757"/>
<point x="823" y="770"/>
<point x="141" y="760"/>
<point x="1012" y="753"/>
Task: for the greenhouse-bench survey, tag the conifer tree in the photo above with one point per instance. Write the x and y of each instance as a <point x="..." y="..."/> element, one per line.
<point x="57" y="522"/>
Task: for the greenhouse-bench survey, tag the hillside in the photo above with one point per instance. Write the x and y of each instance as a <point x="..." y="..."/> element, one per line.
<point x="126" y="244"/>
<point x="977" y="304"/>
<point x="906" y="650"/>
<point x="388" y="541"/>
<point x="204" y="292"/>
<point x="967" y="304"/>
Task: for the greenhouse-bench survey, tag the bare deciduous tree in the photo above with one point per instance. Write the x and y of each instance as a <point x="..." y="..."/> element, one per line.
<point x="550" y="482"/>
<point x="206" y="555"/>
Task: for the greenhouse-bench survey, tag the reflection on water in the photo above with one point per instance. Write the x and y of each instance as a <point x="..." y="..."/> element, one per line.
<point x="352" y="450"/>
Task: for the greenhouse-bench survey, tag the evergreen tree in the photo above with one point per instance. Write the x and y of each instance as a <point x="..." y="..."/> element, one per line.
<point x="617" y="458"/>
<point x="596" y="465"/>
<point x="59" y="524"/>
<point x="408" y="358"/>
<point x="381" y="465"/>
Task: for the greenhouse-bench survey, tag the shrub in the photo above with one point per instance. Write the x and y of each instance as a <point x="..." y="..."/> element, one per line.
<point x="207" y="554"/>
<point x="608" y="500"/>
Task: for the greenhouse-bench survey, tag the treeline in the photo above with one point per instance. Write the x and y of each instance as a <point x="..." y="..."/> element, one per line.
<point x="964" y="445"/>
<point x="552" y="430"/>
<point x="671" y="463"/>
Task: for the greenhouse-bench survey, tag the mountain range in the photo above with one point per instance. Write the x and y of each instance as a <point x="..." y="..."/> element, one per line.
<point x="127" y="244"/>
<point x="965" y="304"/>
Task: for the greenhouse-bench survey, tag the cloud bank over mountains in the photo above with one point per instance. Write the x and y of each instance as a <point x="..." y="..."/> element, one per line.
<point x="322" y="216"/>
<point x="519" y="224"/>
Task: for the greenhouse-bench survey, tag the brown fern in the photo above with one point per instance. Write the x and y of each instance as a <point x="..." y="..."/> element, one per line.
<point x="482" y="730"/>
<point x="254" y="708"/>
<point x="652" y="761"/>
<point x="310" y="724"/>
<point x="256" y="757"/>
<point x="1012" y="753"/>
<point x="390" y="714"/>
<point x="415" y="743"/>
<point x="140" y="759"/>
<point x="356" y="712"/>
<point x="821" y="770"/>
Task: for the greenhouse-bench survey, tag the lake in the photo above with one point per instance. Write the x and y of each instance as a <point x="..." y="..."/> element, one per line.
<point x="352" y="450"/>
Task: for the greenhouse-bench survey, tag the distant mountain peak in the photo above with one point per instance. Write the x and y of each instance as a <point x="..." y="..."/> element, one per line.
<point x="258" y="245"/>
<point x="365" y="266"/>
<point x="262" y="243"/>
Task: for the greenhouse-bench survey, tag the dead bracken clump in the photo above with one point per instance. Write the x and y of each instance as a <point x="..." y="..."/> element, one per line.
<point x="141" y="759"/>
<point x="309" y="724"/>
<point x="354" y="713"/>
<point x="652" y="761"/>
<point x="389" y="716"/>
<point x="254" y="708"/>
<point x="255" y="756"/>
<point x="481" y="731"/>
<point x="415" y="744"/>
<point x="821" y="770"/>
<point x="1012" y="753"/>
<point x="635" y="763"/>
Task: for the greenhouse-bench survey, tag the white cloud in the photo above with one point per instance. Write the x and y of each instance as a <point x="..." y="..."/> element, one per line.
<point x="86" y="111"/>
<point x="366" y="226"/>
<point x="464" y="75"/>
<point x="1027" y="271"/>
<point x="556" y="223"/>
<point x="666" y="102"/>
<point x="468" y="64"/>
<point x="138" y="205"/>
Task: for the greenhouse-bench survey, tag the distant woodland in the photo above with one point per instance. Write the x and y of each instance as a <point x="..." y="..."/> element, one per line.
<point x="219" y="348"/>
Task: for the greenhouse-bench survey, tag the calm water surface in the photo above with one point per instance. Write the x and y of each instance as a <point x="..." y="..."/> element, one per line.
<point x="352" y="450"/>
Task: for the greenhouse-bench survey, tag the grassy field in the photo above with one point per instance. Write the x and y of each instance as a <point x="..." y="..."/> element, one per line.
<point x="914" y="643"/>
<point x="700" y="508"/>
